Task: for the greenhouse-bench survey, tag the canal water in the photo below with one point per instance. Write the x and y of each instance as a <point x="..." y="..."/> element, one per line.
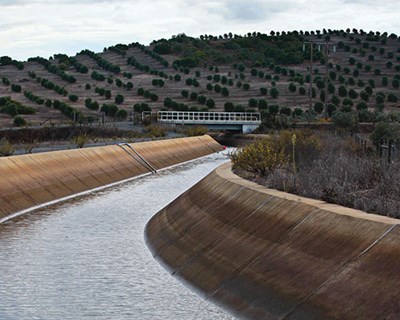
<point x="86" y="258"/>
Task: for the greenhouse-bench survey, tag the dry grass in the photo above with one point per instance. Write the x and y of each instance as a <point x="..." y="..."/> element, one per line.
<point x="341" y="173"/>
<point x="155" y="131"/>
<point x="6" y="148"/>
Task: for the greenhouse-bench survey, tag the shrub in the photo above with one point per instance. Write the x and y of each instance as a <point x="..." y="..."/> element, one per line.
<point x="362" y="105"/>
<point x="193" y="96"/>
<point x="6" y="148"/>
<point x="253" y="103"/>
<point x="274" y="93"/>
<point x="392" y="97"/>
<point x="240" y="108"/>
<point x="263" y="91"/>
<point x="343" y="119"/>
<point x="185" y="93"/>
<point x="229" y="107"/>
<point x="121" y="114"/>
<point x="286" y="111"/>
<point x="19" y="121"/>
<point x="353" y="94"/>
<point x="195" y="131"/>
<point x="225" y="91"/>
<point x="342" y="91"/>
<point x="73" y="97"/>
<point x="16" y="88"/>
<point x="289" y="150"/>
<point x="383" y="130"/>
<point x="104" y="92"/>
<point x="210" y="103"/>
<point x="119" y="98"/>
<point x="140" y="107"/>
<point x="156" y="131"/>
<point x="261" y="157"/>
<point x="298" y="112"/>
<point x="262" y="104"/>
<point x="201" y="99"/>
<point x="318" y="107"/>
<point x="81" y="140"/>
<point x="331" y="108"/>
<point x="379" y="99"/>
<point x="5" y="81"/>
<point x="347" y="102"/>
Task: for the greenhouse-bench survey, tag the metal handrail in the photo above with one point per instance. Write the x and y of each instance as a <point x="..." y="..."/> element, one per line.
<point x="215" y="117"/>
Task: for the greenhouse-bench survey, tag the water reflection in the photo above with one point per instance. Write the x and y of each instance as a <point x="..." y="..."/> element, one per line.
<point x="86" y="258"/>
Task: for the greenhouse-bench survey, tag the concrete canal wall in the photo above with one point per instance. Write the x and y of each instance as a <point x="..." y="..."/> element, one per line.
<point x="265" y="254"/>
<point x="34" y="179"/>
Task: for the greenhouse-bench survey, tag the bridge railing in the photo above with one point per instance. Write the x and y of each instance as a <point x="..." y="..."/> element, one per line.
<point x="208" y="117"/>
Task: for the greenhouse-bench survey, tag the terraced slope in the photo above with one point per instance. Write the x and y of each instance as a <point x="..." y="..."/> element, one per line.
<point x="363" y="76"/>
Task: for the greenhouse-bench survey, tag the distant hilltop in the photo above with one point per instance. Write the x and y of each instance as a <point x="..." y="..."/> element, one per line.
<point x="289" y="77"/>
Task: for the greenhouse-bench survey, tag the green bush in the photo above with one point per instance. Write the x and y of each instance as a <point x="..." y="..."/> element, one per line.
<point x="229" y="107"/>
<point x="19" y="121"/>
<point x="318" y="107"/>
<point x="121" y="114"/>
<point x="119" y="98"/>
<point x="73" y="97"/>
<point x="343" y="119"/>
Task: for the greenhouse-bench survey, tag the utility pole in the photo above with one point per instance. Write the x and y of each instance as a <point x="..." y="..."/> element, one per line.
<point x="326" y="80"/>
<point x="311" y="74"/>
<point x="311" y="68"/>
<point x="326" y="45"/>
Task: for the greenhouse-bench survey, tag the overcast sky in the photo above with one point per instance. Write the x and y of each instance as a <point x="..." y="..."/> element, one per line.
<point x="45" y="27"/>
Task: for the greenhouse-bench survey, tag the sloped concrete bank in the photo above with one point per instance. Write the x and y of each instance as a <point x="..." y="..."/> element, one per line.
<point x="265" y="254"/>
<point x="30" y="180"/>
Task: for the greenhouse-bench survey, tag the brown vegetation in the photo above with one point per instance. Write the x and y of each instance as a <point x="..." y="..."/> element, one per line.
<point x="329" y="168"/>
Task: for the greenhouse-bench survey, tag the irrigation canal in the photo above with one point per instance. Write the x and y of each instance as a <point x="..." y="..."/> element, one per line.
<point x="86" y="258"/>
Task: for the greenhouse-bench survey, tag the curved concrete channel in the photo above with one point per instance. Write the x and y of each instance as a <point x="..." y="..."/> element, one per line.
<point x="265" y="254"/>
<point x="30" y="180"/>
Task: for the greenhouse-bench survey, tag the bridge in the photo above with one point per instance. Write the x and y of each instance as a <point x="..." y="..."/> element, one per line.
<point x="245" y="122"/>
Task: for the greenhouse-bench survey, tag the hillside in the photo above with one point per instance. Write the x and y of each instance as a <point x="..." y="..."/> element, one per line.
<point x="254" y="72"/>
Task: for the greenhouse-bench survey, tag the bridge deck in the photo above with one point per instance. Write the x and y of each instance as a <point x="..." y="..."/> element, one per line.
<point x="187" y="117"/>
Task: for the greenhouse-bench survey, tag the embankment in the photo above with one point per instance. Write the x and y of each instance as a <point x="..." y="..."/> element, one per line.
<point x="34" y="179"/>
<point x="265" y="254"/>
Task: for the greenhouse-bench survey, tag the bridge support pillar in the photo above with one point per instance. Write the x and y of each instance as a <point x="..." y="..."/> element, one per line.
<point x="248" y="128"/>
